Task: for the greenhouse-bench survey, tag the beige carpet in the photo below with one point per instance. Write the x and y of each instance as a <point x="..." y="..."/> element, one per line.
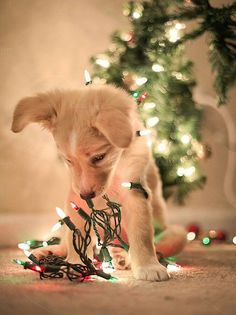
<point x="205" y="285"/>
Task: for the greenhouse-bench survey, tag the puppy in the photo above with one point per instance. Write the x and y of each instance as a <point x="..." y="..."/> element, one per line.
<point x="95" y="131"/>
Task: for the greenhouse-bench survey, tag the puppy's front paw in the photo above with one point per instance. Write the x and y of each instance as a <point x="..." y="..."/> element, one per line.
<point x="152" y="272"/>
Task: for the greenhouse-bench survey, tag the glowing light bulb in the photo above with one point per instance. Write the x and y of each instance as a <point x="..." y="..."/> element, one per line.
<point x="191" y="236"/>
<point x="189" y="171"/>
<point x="234" y="240"/>
<point x="27" y="253"/>
<point x="103" y="62"/>
<point x="60" y="212"/>
<point x="74" y="206"/>
<point x="206" y="241"/>
<point x="107" y="267"/>
<point x="140" y="81"/>
<point x="87" y="77"/>
<point x="45" y="243"/>
<point x="178" y="75"/>
<point x="19" y="262"/>
<point x="23" y="246"/>
<point x="180" y="171"/>
<point x="126" y="36"/>
<point x="56" y="227"/>
<point x="180" y="26"/>
<point x="173" y="35"/>
<point x="136" y="15"/>
<point x="126" y="185"/>
<point x="185" y="139"/>
<point x="142" y="133"/>
<point x="157" y="68"/>
<point x="163" y="146"/>
<point x="147" y="106"/>
<point x="173" y="267"/>
<point x="151" y="122"/>
<point x="213" y="234"/>
<point x="31" y="256"/>
<point x="37" y="268"/>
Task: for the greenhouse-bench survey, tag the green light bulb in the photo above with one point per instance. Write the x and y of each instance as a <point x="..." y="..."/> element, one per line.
<point x="19" y="262"/>
<point x="206" y="241"/>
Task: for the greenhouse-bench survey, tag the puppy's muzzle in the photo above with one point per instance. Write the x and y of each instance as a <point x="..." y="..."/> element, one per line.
<point x="89" y="195"/>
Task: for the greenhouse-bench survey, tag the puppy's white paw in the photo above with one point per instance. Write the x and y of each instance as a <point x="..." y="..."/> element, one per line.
<point x="152" y="272"/>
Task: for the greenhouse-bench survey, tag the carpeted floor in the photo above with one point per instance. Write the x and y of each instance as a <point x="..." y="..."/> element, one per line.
<point x="206" y="284"/>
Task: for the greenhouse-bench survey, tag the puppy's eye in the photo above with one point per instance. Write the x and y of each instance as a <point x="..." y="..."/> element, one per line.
<point x="97" y="158"/>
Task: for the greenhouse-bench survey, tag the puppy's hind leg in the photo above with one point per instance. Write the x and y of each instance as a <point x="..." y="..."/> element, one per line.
<point x="171" y="241"/>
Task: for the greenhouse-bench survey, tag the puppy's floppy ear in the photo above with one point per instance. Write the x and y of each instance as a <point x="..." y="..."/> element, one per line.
<point x="33" y="109"/>
<point x="116" y="126"/>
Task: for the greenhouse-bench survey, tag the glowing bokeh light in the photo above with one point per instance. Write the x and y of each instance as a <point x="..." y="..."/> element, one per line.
<point x="191" y="236"/>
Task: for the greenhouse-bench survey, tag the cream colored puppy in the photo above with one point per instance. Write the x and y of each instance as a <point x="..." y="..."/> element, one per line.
<point x="95" y="132"/>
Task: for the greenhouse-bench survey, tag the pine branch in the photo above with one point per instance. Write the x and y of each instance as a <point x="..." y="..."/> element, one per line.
<point x="220" y="25"/>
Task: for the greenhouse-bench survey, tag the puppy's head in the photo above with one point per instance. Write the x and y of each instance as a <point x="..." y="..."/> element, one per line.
<point x="91" y="127"/>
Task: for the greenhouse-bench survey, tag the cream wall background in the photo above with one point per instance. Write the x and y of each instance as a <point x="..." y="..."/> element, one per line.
<point x="47" y="44"/>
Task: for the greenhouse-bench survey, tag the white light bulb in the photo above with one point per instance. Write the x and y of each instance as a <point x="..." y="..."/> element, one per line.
<point x="173" y="35"/>
<point x="136" y="15"/>
<point x="178" y="75"/>
<point x="147" y="106"/>
<point x="60" y="212"/>
<point x="103" y="62"/>
<point x="234" y="240"/>
<point x="140" y="81"/>
<point x="87" y="77"/>
<point x="180" y="26"/>
<point x="162" y="147"/>
<point x="173" y="267"/>
<point x="180" y="171"/>
<point x="45" y="243"/>
<point x="157" y="68"/>
<point x="107" y="267"/>
<point x="185" y="139"/>
<point x="56" y="227"/>
<point x="191" y="236"/>
<point x="27" y="253"/>
<point x="23" y="246"/>
<point x="144" y="132"/>
<point x="126" y="185"/>
<point x="189" y="171"/>
<point x="151" y="122"/>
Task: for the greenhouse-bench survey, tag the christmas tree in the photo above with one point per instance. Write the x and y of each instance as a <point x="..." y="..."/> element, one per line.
<point x="149" y="62"/>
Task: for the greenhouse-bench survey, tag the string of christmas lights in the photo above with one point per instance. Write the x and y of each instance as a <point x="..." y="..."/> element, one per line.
<point x="51" y="266"/>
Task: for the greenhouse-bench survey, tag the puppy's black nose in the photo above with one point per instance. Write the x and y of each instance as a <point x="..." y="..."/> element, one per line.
<point x="89" y="195"/>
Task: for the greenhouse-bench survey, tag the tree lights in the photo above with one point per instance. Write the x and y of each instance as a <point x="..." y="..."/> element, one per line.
<point x="156" y="73"/>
